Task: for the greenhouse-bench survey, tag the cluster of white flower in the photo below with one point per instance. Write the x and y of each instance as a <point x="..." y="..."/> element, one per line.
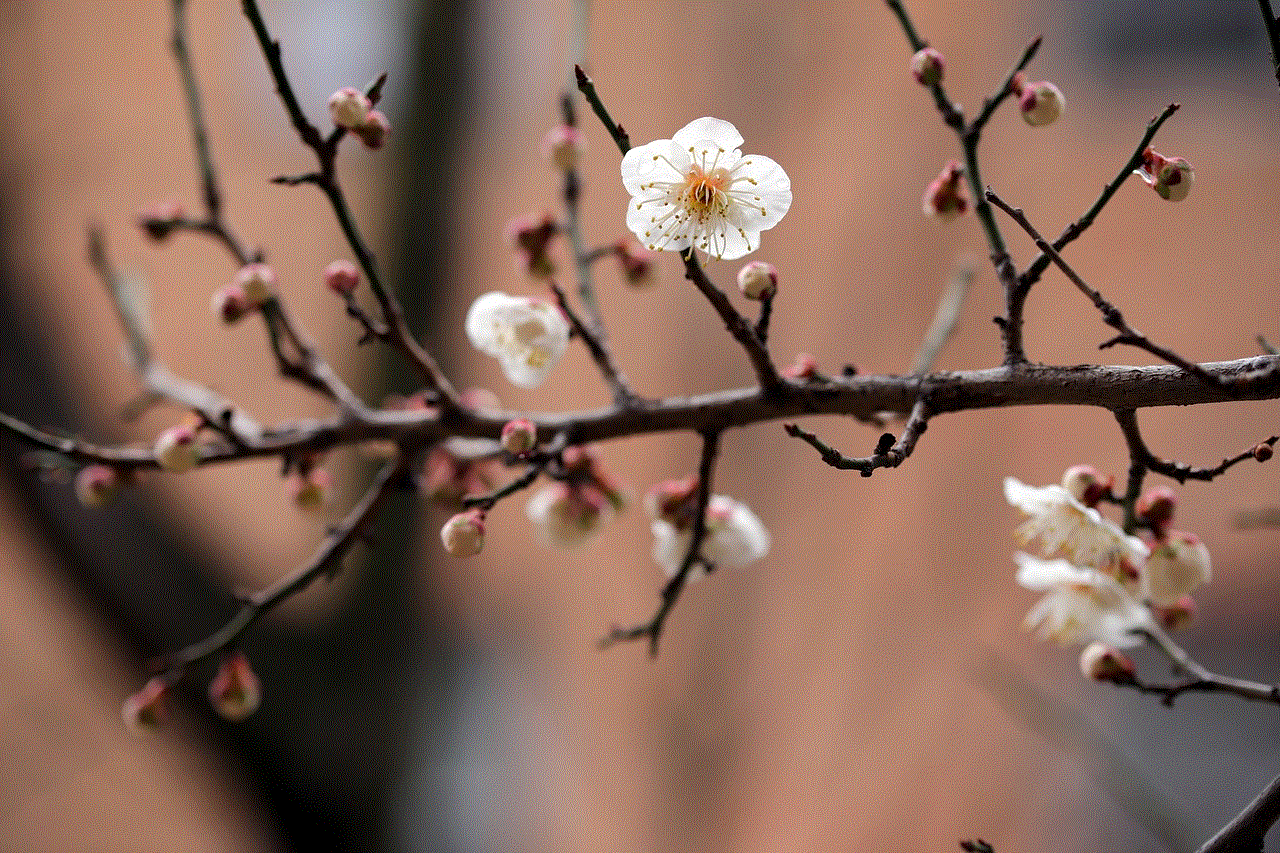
<point x="1100" y="584"/>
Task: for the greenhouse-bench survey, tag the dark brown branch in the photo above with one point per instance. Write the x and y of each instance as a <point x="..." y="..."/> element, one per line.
<point x="1179" y="471"/>
<point x="1199" y="679"/>
<point x="1041" y="262"/>
<point x="588" y="90"/>
<point x="623" y="396"/>
<point x="537" y="464"/>
<point x="738" y="326"/>
<point x="1273" y="34"/>
<point x="1245" y="832"/>
<point x="888" y="453"/>
<point x="325" y="561"/>
<point x="652" y="629"/>
<point x="397" y="335"/>
<point x="1110" y="314"/>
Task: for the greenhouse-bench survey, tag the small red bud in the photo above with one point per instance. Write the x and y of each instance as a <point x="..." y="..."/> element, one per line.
<point x="946" y="197"/>
<point x="374" y="130"/>
<point x="235" y="690"/>
<point x="342" y="277"/>
<point x="147" y="709"/>
<point x="927" y="66"/>
<point x="1262" y="452"/>
<point x="160" y="220"/>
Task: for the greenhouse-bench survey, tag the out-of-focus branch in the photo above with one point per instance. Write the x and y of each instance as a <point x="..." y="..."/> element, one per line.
<point x="1198" y="678"/>
<point x="325" y="561"/>
<point x="945" y="317"/>
<point x="693" y="558"/>
<point x="1245" y="832"/>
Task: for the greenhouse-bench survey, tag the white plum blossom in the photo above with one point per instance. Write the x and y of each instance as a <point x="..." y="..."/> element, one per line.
<point x="698" y="190"/>
<point x="1080" y="604"/>
<point x="1178" y="564"/>
<point x="1064" y="525"/>
<point x="526" y="335"/>
<point x="735" y="538"/>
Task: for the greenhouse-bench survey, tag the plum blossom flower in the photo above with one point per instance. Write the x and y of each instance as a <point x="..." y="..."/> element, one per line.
<point x="698" y="190"/>
<point x="1064" y="525"/>
<point x="735" y="537"/>
<point x="1080" y="604"/>
<point x="1178" y="564"/>
<point x="526" y="335"/>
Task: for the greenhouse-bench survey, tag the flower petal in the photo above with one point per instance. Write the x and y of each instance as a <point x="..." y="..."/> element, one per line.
<point x="708" y="132"/>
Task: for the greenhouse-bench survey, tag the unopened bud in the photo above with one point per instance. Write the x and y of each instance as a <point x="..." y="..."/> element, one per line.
<point x="1177" y="615"/>
<point x="95" y="484"/>
<point x="805" y="366"/>
<point x="374" y="130"/>
<point x="519" y="436"/>
<point x="463" y="535"/>
<point x="256" y="281"/>
<point x="1170" y="177"/>
<point x="235" y="690"/>
<point x="1262" y="452"/>
<point x="146" y="710"/>
<point x="927" y="66"/>
<point x="1087" y="484"/>
<point x="160" y="221"/>
<point x="946" y="197"/>
<point x="230" y="303"/>
<point x="637" y="264"/>
<point x="176" y="450"/>
<point x="349" y="107"/>
<point x="1041" y="103"/>
<point x="1155" y="507"/>
<point x="310" y="491"/>
<point x="342" y="277"/>
<point x="564" y="146"/>
<point x="532" y="236"/>
<point x="1103" y="663"/>
<point x="674" y="501"/>
<point x="758" y="280"/>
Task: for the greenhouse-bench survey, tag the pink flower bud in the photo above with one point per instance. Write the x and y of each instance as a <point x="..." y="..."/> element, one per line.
<point x="532" y="238"/>
<point x="946" y="197"/>
<point x="374" y="130"/>
<point x="1041" y="103"/>
<point x="1178" y="564"/>
<point x="160" y="220"/>
<point x="805" y="366"/>
<point x="463" y="535"/>
<point x="519" y="436"/>
<point x="146" y="710"/>
<point x="235" y="690"/>
<point x="1262" y="452"/>
<point x="674" y="501"/>
<point x="758" y="280"/>
<point x="95" y="484"/>
<point x="310" y="491"/>
<point x="564" y="146"/>
<point x="1087" y="484"/>
<point x="637" y="264"/>
<point x="176" y="450"/>
<point x="1177" y="615"/>
<point x="256" y="281"/>
<point x="1103" y="663"/>
<point x="1155" y="507"/>
<point x="927" y="66"/>
<point x="342" y="277"/>
<point x="1170" y="177"/>
<point x="230" y="303"/>
<point x="349" y="107"/>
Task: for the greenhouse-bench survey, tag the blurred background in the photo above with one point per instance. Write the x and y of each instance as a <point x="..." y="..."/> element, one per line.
<point x="868" y="685"/>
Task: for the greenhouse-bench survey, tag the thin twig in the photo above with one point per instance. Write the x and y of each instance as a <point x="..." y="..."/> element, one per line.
<point x="652" y="629"/>
<point x="325" y="561"/>
<point x="1199" y="679"/>
<point x="889" y="453"/>
<point x="1179" y="471"/>
<point x="397" y="334"/>
<point x="588" y="90"/>
<point x="945" y="317"/>
<point x="538" y="463"/>
<point x="622" y="394"/>
<point x="1041" y="262"/>
<point x="1273" y="34"/>
<point x="1110" y="314"/>
<point x="738" y="326"/>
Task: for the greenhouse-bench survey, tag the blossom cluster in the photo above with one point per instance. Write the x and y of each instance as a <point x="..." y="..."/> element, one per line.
<point x="1101" y="585"/>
